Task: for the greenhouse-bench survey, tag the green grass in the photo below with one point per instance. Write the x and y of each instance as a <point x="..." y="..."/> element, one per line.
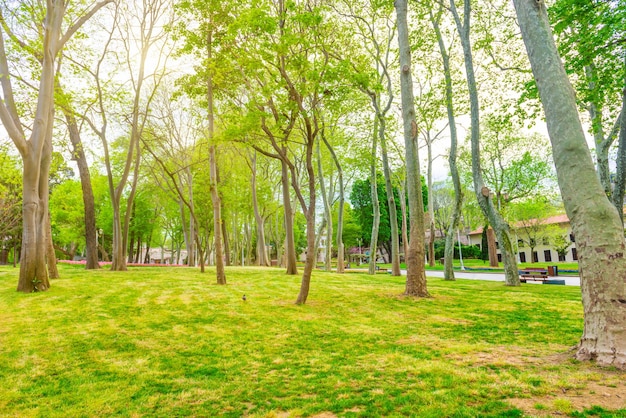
<point x="168" y="342"/>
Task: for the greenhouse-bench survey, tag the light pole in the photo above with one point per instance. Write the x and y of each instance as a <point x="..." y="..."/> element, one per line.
<point x="459" y="239"/>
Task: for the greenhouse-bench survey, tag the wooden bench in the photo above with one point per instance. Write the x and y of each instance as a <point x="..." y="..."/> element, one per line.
<point x="535" y="274"/>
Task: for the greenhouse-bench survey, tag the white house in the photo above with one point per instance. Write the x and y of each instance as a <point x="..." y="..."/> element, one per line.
<point x="544" y="252"/>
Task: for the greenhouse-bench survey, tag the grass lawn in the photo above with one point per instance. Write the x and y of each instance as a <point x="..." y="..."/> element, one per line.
<point x="168" y="342"/>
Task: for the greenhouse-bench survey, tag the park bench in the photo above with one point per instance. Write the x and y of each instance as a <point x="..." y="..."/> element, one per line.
<point x="539" y="275"/>
<point x="535" y="274"/>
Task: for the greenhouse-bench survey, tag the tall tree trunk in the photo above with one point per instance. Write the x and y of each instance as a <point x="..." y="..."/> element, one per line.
<point x="327" y="211"/>
<point x="454" y="172"/>
<point x="620" y="180"/>
<point x="186" y="237"/>
<point x="375" y="203"/>
<point x="51" y="257"/>
<point x="290" y="244"/>
<point x="483" y="194"/>
<point x="131" y="238"/>
<point x="391" y="202"/>
<point x="217" y="219"/>
<point x="491" y="246"/>
<point x="405" y="232"/>
<point x="595" y="222"/>
<point x="416" y="275"/>
<point x="227" y="254"/>
<point x="310" y="222"/>
<point x="431" y="206"/>
<point x="78" y="154"/>
<point x="261" y="249"/>
<point x="213" y="175"/>
<point x="139" y="249"/>
<point x="342" y="199"/>
<point x="193" y="227"/>
<point x="603" y="144"/>
<point x="33" y="271"/>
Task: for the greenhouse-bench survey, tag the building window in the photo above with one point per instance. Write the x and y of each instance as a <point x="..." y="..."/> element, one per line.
<point x="499" y="258"/>
<point x="522" y="257"/>
<point x="561" y="257"/>
<point x="574" y="254"/>
<point x="520" y="243"/>
<point x="547" y="254"/>
<point x="546" y="241"/>
<point x="497" y="245"/>
<point x="535" y="257"/>
<point x="572" y="238"/>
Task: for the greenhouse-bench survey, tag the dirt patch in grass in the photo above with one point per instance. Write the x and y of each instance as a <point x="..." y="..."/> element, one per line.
<point x="564" y="401"/>
<point x="591" y="386"/>
<point x="499" y="356"/>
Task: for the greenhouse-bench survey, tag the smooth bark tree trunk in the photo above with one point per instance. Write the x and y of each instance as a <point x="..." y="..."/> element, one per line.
<point x="78" y="154"/>
<point x="327" y="210"/>
<point x="491" y="246"/>
<point x="290" y="243"/>
<point x="213" y="175"/>
<point x="595" y="222"/>
<point x="217" y="219"/>
<point x="33" y="270"/>
<point x="342" y="199"/>
<point x="391" y="202"/>
<point x="310" y="220"/>
<point x="620" y="180"/>
<point x="405" y="232"/>
<point x="416" y="276"/>
<point x="193" y="232"/>
<point x="483" y="195"/>
<point x="603" y="143"/>
<point x="51" y="257"/>
<point x="375" y="203"/>
<point x="454" y="172"/>
<point x="227" y="252"/>
<point x="186" y="237"/>
<point x="431" y="206"/>
<point x="262" y="258"/>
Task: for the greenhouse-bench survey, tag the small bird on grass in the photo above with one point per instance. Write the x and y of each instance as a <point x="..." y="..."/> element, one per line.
<point x="243" y="298"/>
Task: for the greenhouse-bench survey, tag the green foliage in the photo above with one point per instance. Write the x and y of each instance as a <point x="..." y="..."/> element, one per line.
<point x="529" y="218"/>
<point x="67" y="215"/>
<point x="514" y="165"/>
<point x="590" y="38"/>
<point x="469" y="251"/>
<point x="361" y="199"/>
<point x="10" y="201"/>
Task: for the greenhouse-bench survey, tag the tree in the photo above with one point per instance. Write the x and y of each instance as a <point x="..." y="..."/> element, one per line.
<point x="452" y="157"/>
<point x="530" y="216"/>
<point x="36" y="150"/>
<point x="595" y="222"/>
<point x="416" y="276"/>
<point x="560" y="242"/>
<point x="483" y="194"/>
<point x="590" y="36"/>
<point x="67" y="217"/>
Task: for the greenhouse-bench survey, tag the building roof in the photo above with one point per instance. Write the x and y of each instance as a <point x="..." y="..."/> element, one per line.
<point x="552" y="220"/>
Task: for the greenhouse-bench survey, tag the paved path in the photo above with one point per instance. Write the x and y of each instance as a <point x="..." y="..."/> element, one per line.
<point x="496" y="277"/>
